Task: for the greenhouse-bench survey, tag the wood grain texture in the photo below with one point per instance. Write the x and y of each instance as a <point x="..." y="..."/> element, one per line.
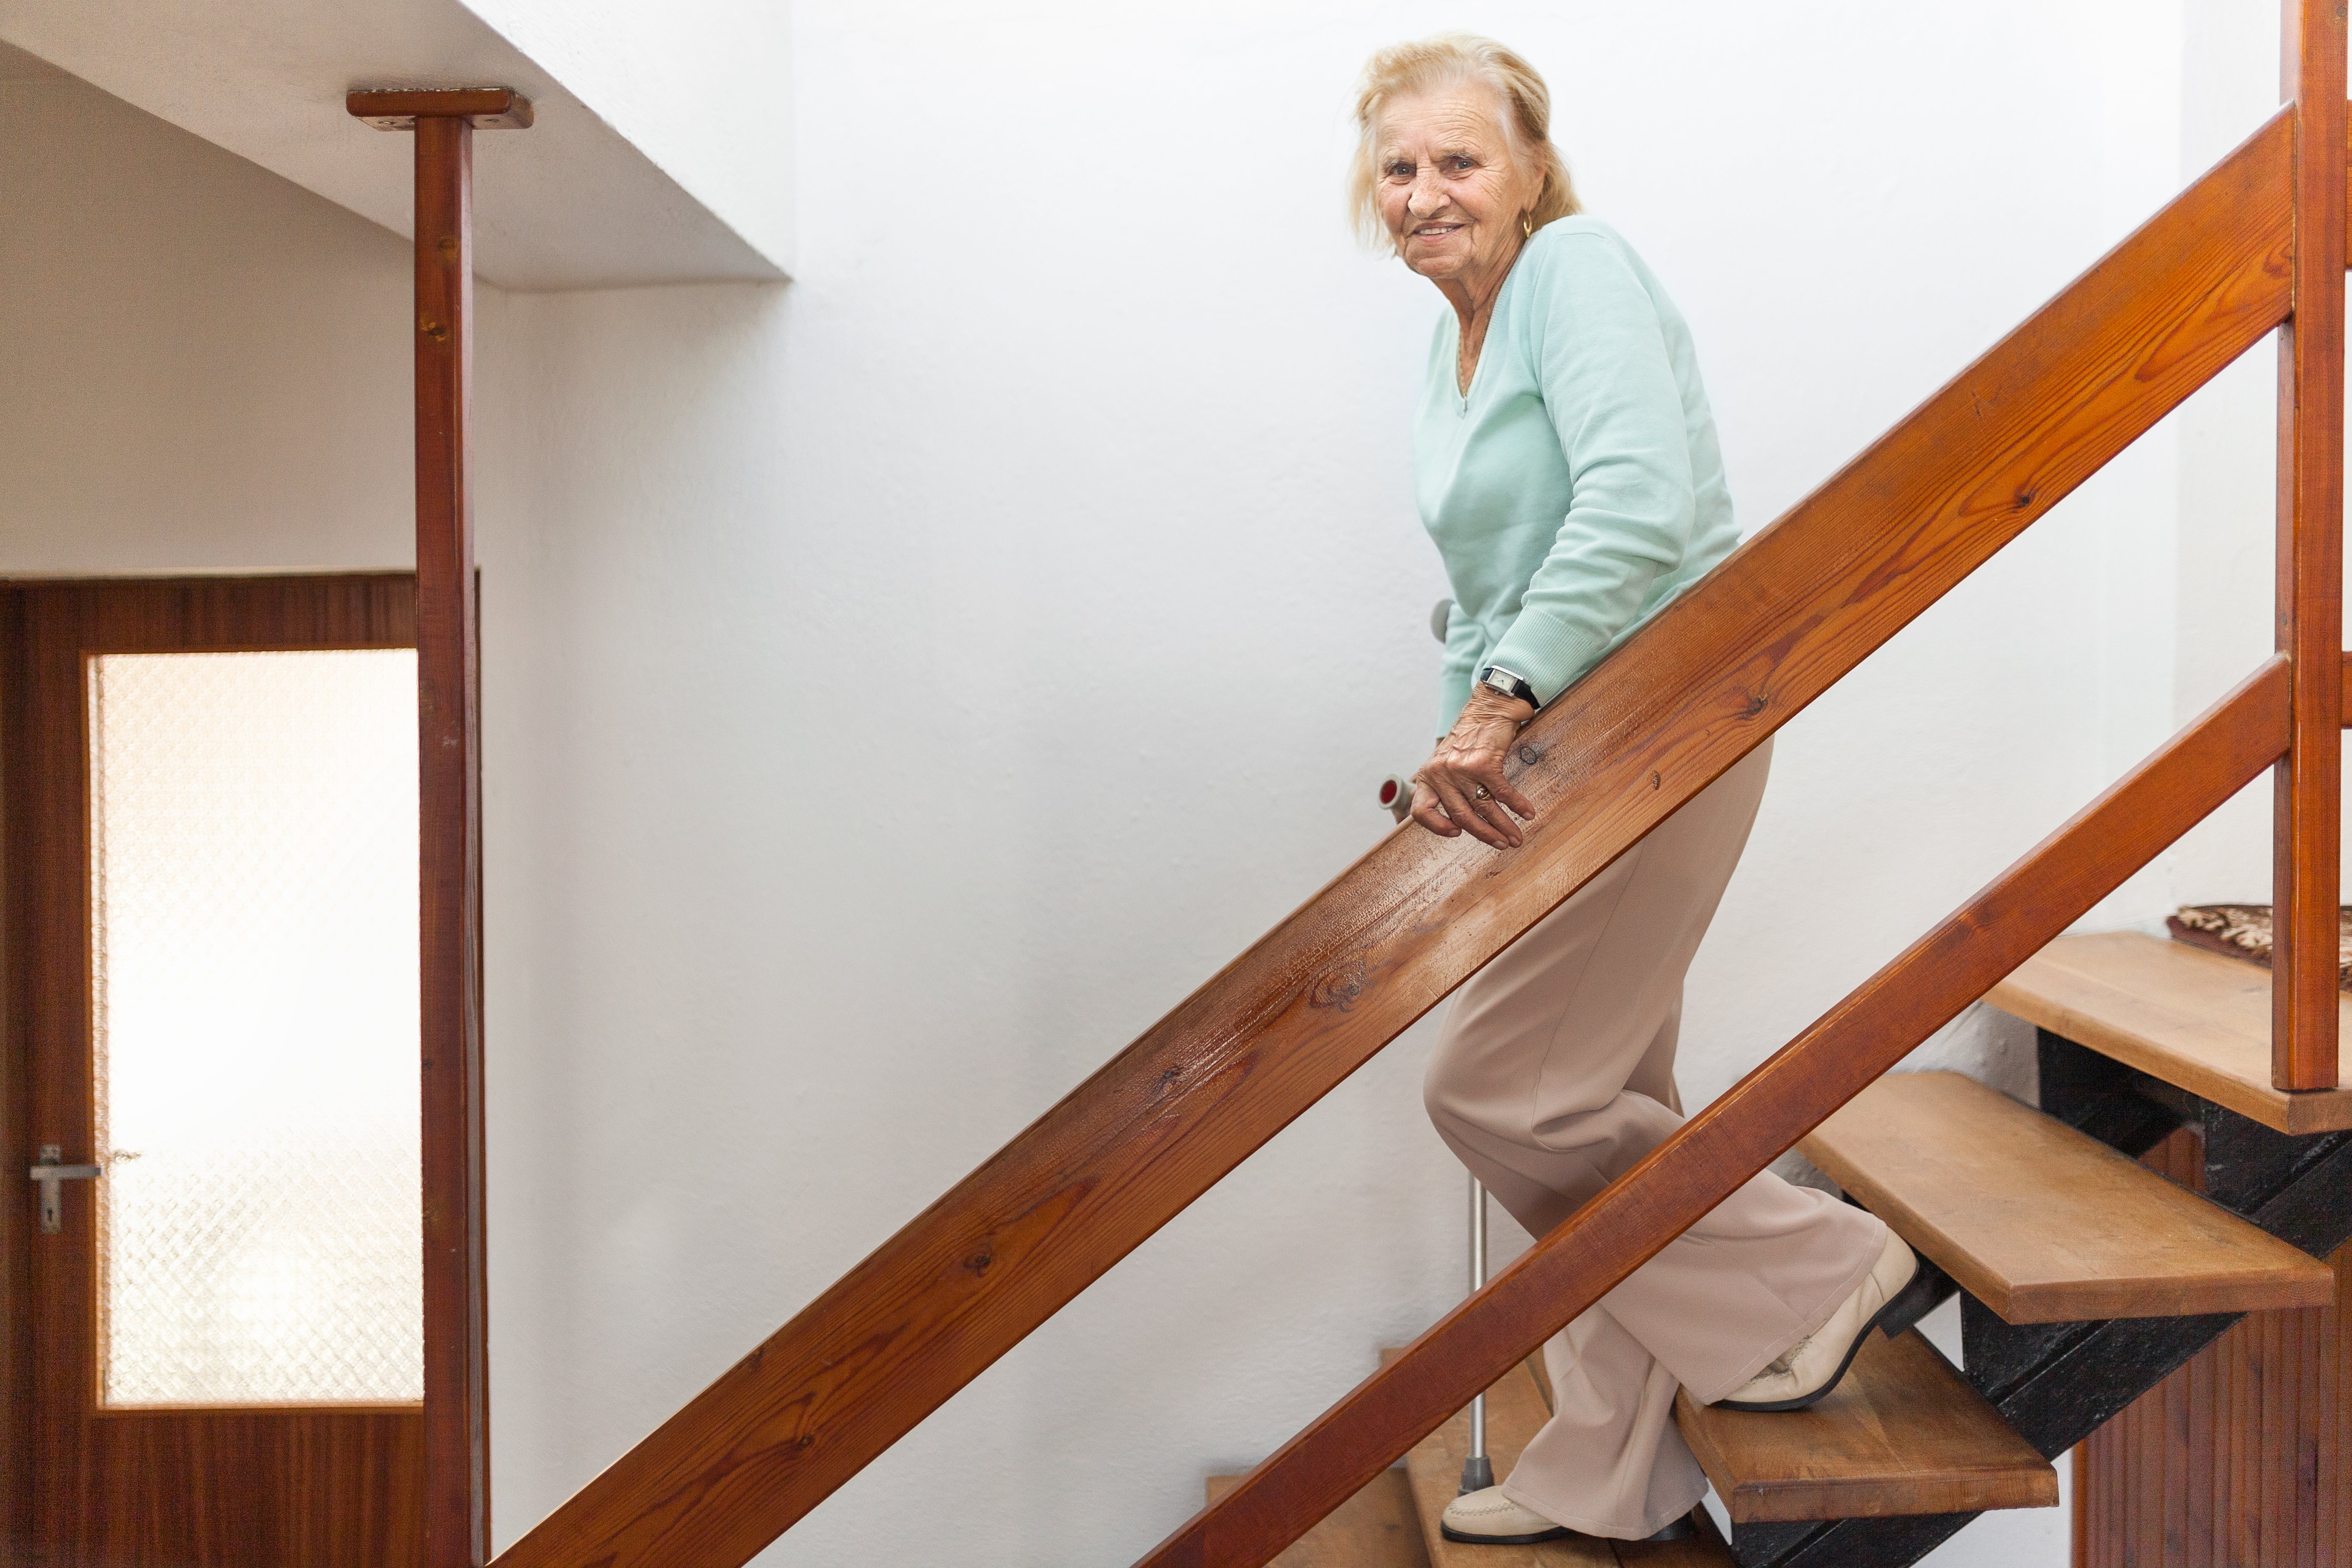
<point x="1376" y="1528"/>
<point x="2195" y="1020"/>
<point x="307" y="1488"/>
<point x="1716" y="672"/>
<point x="2042" y="1224"/>
<point x="2307" y="790"/>
<point x="1745" y="1130"/>
<point x="456" y="1335"/>
<point x="1903" y="1434"/>
<point x="2242" y="1458"/>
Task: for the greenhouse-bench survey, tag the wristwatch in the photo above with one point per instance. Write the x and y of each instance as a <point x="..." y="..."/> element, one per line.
<point x="1503" y="683"/>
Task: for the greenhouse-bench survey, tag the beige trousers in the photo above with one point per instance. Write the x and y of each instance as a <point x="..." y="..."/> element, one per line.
<point x="1553" y="1074"/>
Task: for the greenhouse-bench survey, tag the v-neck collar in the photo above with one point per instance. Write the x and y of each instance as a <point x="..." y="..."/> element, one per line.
<point x="1462" y="395"/>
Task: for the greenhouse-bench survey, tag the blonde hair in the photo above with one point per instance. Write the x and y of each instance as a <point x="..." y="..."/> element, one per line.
<point x="1403" y="70"/>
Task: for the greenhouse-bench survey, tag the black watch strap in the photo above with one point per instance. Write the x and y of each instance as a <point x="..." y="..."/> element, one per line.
<point x="1496" y="679"/>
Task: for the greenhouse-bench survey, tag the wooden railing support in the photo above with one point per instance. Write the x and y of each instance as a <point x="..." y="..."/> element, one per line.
<point x="456" y="1340"/>
<point x="457" y="1350"/>
<point x="1755" y="1122"/>
<point x="1790" y="612"/>
<point x="2306" y="788"/>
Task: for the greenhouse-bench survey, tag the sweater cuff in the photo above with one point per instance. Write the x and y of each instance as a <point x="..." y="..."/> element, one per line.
<point x="1453" y="695"/>
<point x="1547" y="655"/>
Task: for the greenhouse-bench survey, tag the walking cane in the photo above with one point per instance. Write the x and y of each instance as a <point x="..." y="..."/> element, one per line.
<point x="1477" y="1472"/>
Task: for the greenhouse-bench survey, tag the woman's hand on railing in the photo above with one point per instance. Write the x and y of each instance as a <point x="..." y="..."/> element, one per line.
<point x="1461" y="788"/>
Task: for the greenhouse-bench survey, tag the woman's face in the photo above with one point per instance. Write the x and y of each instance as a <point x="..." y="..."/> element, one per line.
<point x="1450" y="191"/>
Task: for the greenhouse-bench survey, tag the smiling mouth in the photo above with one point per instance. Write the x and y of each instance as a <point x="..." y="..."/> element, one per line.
<point x="1436" y="230"/>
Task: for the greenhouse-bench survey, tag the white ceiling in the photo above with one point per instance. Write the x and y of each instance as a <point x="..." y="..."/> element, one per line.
<point x="569" y="203"/>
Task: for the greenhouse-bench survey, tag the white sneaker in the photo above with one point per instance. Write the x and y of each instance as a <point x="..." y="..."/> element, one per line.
<point x="1488" y="1518"/>
<point x="1896" y="1294"/>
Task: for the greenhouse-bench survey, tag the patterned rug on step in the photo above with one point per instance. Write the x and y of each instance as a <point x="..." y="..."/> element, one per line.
<point x="2244" y="931"/>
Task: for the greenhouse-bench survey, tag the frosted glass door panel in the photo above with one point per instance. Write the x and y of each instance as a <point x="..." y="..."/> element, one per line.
<point x="254" y="951"/>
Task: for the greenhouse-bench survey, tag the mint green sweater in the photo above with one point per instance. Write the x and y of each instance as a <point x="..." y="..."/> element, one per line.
<point x="1578" y="487"/>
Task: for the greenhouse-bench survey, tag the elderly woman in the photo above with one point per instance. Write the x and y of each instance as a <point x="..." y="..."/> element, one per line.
<point x="1566" y="464"/>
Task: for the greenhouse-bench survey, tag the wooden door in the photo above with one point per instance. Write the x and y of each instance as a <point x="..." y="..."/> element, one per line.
<point x="146" y="1433"/>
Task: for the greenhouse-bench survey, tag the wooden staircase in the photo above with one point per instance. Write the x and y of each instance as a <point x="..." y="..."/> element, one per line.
<point x="2086" y="1278"/>
<point x="2255" y="244"/>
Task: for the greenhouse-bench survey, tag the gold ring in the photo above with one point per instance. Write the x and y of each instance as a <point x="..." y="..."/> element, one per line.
<point x="1482" y="793"/>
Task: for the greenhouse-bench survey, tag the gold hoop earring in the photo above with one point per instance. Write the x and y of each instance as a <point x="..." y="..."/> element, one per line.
<point x="1526" y="227"/>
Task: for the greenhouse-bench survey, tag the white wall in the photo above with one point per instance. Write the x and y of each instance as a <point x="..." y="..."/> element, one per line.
<point x="703" y="86"/>
<point x="200" y="371"/>
<point x="903" y="685"/>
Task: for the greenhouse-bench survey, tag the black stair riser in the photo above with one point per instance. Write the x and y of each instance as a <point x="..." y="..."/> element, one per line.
<point x="2246" y="1163"/>
<point x="2096" y="1095"/>
<point x="2314" y="1212"/>
<point x="2248" y="1166"/>
<point x="1845" y="1543"/>
<point x="2089" y="1377"/>
<point x="1999" y="1356"/>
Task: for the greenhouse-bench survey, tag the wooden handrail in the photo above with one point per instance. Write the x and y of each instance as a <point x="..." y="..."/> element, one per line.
<point x="1786" y="615"/>
<point x="1752" y="1124"/>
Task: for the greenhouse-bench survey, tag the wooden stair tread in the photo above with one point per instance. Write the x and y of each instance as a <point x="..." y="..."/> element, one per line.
<point x="2042" y="1224"/>
<point x="2195" y="1020"/>
<point x="1516" y="1408"/>
<point x="1903" y="1434"/>
<point x="1374" y="1528"/>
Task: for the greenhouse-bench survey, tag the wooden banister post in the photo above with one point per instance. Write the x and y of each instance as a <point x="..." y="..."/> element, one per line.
<point x="457" y="1392"/>
<point x="457" y="1349"/>
<point x="2305" y="834"/>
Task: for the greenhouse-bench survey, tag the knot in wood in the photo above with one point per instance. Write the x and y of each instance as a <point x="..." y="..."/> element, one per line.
<point x="1338" y="990"/>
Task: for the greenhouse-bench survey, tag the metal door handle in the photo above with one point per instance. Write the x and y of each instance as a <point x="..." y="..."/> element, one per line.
<point x="49" y="1173"/>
